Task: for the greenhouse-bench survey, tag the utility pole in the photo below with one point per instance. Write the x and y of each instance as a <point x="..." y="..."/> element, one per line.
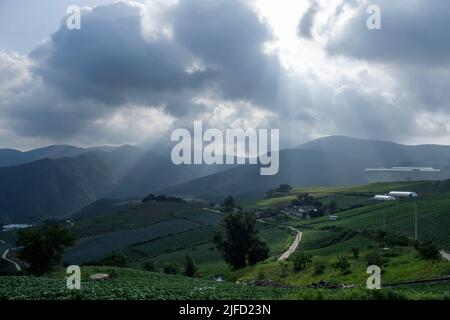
<point x="415" y="222"/>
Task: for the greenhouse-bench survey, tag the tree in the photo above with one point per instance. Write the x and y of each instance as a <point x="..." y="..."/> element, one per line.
<point x="190" y="268"/>
<point x="171" y="268"/>
<point x="301" y="260"/>
<point x="427" y="249"/>
<point x="355" y="252"/>
<point x="259" y="251"/>
<point x="160" y="198"/>
<point x="150" y="197"/>
<point x="229" y="204"/>
<point x="284" y="188"/>
<point x="239" y="243"/>
<point x="343" y="264"/>
<point x="43" y="247"/>
<point x="114" y="259"/>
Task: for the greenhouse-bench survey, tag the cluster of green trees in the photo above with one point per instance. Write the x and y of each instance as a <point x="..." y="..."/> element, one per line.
<point x="282" y="190"/>
<point x="190" y="268"/>
<point x="162" y="198"/>
<point x="42" y="248"/>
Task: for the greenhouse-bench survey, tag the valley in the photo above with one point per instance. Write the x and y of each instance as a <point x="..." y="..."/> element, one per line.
<point x="321" y="226"/>
<point x="164" y="233"/>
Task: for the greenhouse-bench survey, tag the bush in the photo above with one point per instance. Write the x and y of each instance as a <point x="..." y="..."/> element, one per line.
<point x="394" y="239"/>
<point x="374" y="257"/>
<point x="171" y="268"/>
<point x="114" y="259"/>
<point x="427" y="249"/>
<point x="301" y="260"/>
<point x="319" y="267"/>
<point x="343" y="264"/>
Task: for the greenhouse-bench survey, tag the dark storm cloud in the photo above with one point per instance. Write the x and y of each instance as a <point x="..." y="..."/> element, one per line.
<point x="307" y="21"/>
<point x="83" y="74"/>
<point x="413" y="32"/>
<point x="109" y="61"/>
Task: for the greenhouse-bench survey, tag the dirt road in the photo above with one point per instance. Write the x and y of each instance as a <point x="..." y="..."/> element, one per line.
<point x="293" y="246"/>
<point x="5" y="257"/>
<point x="445" y="255"/>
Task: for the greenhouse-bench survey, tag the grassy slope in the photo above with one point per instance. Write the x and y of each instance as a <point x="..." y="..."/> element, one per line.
<point x="358" y="212"/>
<point x="324" y="243"/>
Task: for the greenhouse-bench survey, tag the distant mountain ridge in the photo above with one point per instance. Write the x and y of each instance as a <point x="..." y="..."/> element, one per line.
<point x="328" y="161"/>
<point x="69" y="178"/>
<point x="12" y="157"/>
<point x="64" y="179"/>
<point x="48" y="188"/>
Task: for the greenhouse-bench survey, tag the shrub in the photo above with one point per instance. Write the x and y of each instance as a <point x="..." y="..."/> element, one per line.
<point x="395" y="239"/>
<point x="319" y="267"/>
<point x="427" y="249"/>
<point x="301" y="260"/>
<point x="343" y="264"/>
<point x="114" y="259"/>
<point x="374" y="257"/>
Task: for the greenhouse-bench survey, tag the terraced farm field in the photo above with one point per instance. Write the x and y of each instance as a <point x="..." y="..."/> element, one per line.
<point x="96" y="247"/>
<point x="135" y="216"/>
<point x="175" y="242"/>
<point x="153" y="228"/>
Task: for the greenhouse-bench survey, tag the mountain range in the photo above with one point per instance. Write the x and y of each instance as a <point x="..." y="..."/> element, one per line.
<point x="58" y="181"/>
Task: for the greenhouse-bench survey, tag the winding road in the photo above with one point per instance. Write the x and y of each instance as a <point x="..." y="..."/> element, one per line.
<point x="445" y="255"/>
<point x="293" y="246"/>
<point x="5" y="257"/>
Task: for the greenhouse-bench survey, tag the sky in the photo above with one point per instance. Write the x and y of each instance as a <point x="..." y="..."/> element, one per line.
<point x="136" y="70"/>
